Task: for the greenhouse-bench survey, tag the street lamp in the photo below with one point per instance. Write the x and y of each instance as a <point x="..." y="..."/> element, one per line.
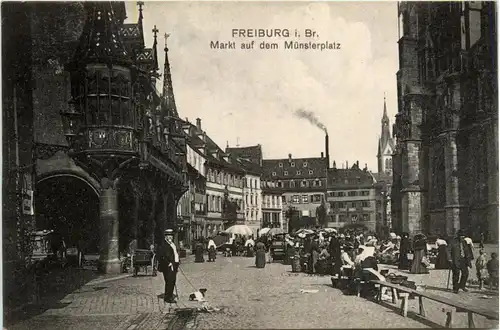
<point x="71" y="119"/>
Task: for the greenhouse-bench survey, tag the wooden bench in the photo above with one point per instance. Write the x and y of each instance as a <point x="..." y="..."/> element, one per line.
<point x="357" y="282"/>
<point x="403" y="293"/>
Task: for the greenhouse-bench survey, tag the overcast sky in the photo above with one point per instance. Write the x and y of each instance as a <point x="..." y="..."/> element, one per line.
<point x="251" y="96"/>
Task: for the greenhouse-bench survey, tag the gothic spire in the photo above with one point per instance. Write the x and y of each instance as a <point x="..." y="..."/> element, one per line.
<point x="100" y="41"/>
<point x="386" y="130"/>
<point x="168" y="92"/>
<point x="141" y="17"/>
<point x="140" y="4"/>
<point x="155" y="50"/>
<point x="385" y="118"/>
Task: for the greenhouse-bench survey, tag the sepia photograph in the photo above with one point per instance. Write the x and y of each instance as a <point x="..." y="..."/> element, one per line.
<point x="249" y="165"/>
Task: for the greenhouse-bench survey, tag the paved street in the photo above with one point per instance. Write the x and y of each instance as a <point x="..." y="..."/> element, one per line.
<point x="246" y="296"/>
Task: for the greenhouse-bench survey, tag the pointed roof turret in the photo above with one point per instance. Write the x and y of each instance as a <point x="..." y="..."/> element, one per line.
<point x="168" y="99"/>
<point x="385" y="118"/>
<point x="100" y="41"/>
<point x="386" y="131"/>
<point x="155" y="50"/>
<point x="141" y="17"/>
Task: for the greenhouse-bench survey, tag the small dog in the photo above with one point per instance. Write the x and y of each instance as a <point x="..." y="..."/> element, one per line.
<point x="198" y="295"/>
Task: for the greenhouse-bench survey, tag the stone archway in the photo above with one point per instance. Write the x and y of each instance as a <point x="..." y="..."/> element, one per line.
<point x="69" y="205"/>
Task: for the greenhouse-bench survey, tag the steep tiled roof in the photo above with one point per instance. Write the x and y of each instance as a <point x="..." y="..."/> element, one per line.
<point x="349" y="178"/>
<point x="386" y="177"/>
<point x="130" y="31"/>
<point x="252" y="153"/>
<point x="303" y="168"/>
<point x="249" y="166"/>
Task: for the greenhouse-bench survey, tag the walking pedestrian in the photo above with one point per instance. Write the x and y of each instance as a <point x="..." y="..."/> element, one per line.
<point x="461" y="257"/>
<point x="481" y="272"/>
<point x="492" y="267"/>
<point x="168" y="264"/>
<point x="481" y="242"/>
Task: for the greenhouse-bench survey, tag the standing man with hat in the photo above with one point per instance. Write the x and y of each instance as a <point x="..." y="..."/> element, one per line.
<point x="168" y="264"/>
<point x="461" y="256"/>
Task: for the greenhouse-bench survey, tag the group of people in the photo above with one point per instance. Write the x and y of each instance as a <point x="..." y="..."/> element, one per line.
<point x="341" y="254"/>
<point x="456" y="253"/>
<point x="330" y="252"/>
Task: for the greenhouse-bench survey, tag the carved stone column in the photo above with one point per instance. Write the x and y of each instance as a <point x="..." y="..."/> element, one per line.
<point x="452" y="121"/>
<point x="135" y="213"/>
<point x="452" y="206"/>
<point x="109" y="248"/>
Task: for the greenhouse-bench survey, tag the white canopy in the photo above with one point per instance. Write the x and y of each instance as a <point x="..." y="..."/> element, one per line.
<point x="239" y="230"/>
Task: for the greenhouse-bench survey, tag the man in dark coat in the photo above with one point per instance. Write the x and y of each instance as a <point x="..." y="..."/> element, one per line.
<point x="461" y="256"/>
<point x="405" y="247"/>
<point x="336" y="253"/>
<point x="168" y="264"/>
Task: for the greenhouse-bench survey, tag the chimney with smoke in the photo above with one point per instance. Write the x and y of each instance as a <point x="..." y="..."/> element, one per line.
<point x="327" y="154"/>
<point x="198" y="123"/>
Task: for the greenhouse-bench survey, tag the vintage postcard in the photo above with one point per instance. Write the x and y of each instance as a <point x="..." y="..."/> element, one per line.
<point x="249" y="164"/>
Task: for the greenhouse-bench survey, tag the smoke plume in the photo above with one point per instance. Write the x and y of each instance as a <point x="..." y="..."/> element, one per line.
<point x="311" y="117"/>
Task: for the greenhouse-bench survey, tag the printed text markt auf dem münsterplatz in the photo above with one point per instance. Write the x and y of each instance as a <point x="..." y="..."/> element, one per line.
<point x="291" y="45"/>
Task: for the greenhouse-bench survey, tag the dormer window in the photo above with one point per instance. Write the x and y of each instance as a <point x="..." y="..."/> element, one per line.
<point x="304" y="164"/>
<point x="292" y="164"/>
<point x="286" y="173"/>
<point x="280" y="164"/>
<point x="304" y="183"/>
<point x="274" y="173"/>
<point x="299" y="173"/>
<point x="311" y="172"/>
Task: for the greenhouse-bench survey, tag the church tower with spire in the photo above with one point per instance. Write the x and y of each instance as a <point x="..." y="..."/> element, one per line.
<point x="385" y="145"/>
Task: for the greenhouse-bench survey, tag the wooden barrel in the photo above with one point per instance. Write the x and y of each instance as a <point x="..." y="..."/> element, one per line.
<point x="296" y="264"/>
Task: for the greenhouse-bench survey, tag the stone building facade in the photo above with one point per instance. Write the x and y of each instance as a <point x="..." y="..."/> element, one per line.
<point x="302" y="182"/>
<point x="446" y="156"/>
<point x="351" y="197"/>
<point x="250" y="160"/>
<point x="192" y="208"/>
<point x="90" y="146"/>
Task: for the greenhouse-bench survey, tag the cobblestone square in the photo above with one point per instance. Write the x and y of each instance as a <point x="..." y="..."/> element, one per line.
<point x="247" y="297"/>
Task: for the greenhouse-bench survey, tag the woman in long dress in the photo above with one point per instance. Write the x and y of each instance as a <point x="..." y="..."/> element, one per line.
<point x="420" y="251"/>
<point x="442" y="257"/>
<point x="198" y="254"/>
<point x="260" y="255"/>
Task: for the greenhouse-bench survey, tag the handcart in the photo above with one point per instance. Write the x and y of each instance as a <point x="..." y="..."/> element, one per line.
<point x="144" y="259"/>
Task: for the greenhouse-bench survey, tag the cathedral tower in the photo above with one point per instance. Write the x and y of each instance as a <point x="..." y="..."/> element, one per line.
<point x="385" y="145"/>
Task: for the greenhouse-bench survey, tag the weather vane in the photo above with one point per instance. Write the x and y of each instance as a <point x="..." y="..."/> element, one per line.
<point x="155" y="31"/>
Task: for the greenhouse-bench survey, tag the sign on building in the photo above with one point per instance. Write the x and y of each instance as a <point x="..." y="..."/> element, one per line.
<point x="28" y="202"/>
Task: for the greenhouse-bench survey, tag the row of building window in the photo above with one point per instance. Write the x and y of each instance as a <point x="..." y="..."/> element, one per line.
<point x="352" y="218"/>
<point x="251" y="214"/>
<point x="302" y="184"/>
<point x="349" y="193"/>
<point x="292" y="164"/>
<point x="345" y="181"/>
<point x="306" y="199"/>
<point x="215" y="203"/>
<point x="225" y="178"/>
<point x="299" y="172"/>
<point x="253" y="199"/>
<point x="271" y="201"/>
<point x="343" y="205"/>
